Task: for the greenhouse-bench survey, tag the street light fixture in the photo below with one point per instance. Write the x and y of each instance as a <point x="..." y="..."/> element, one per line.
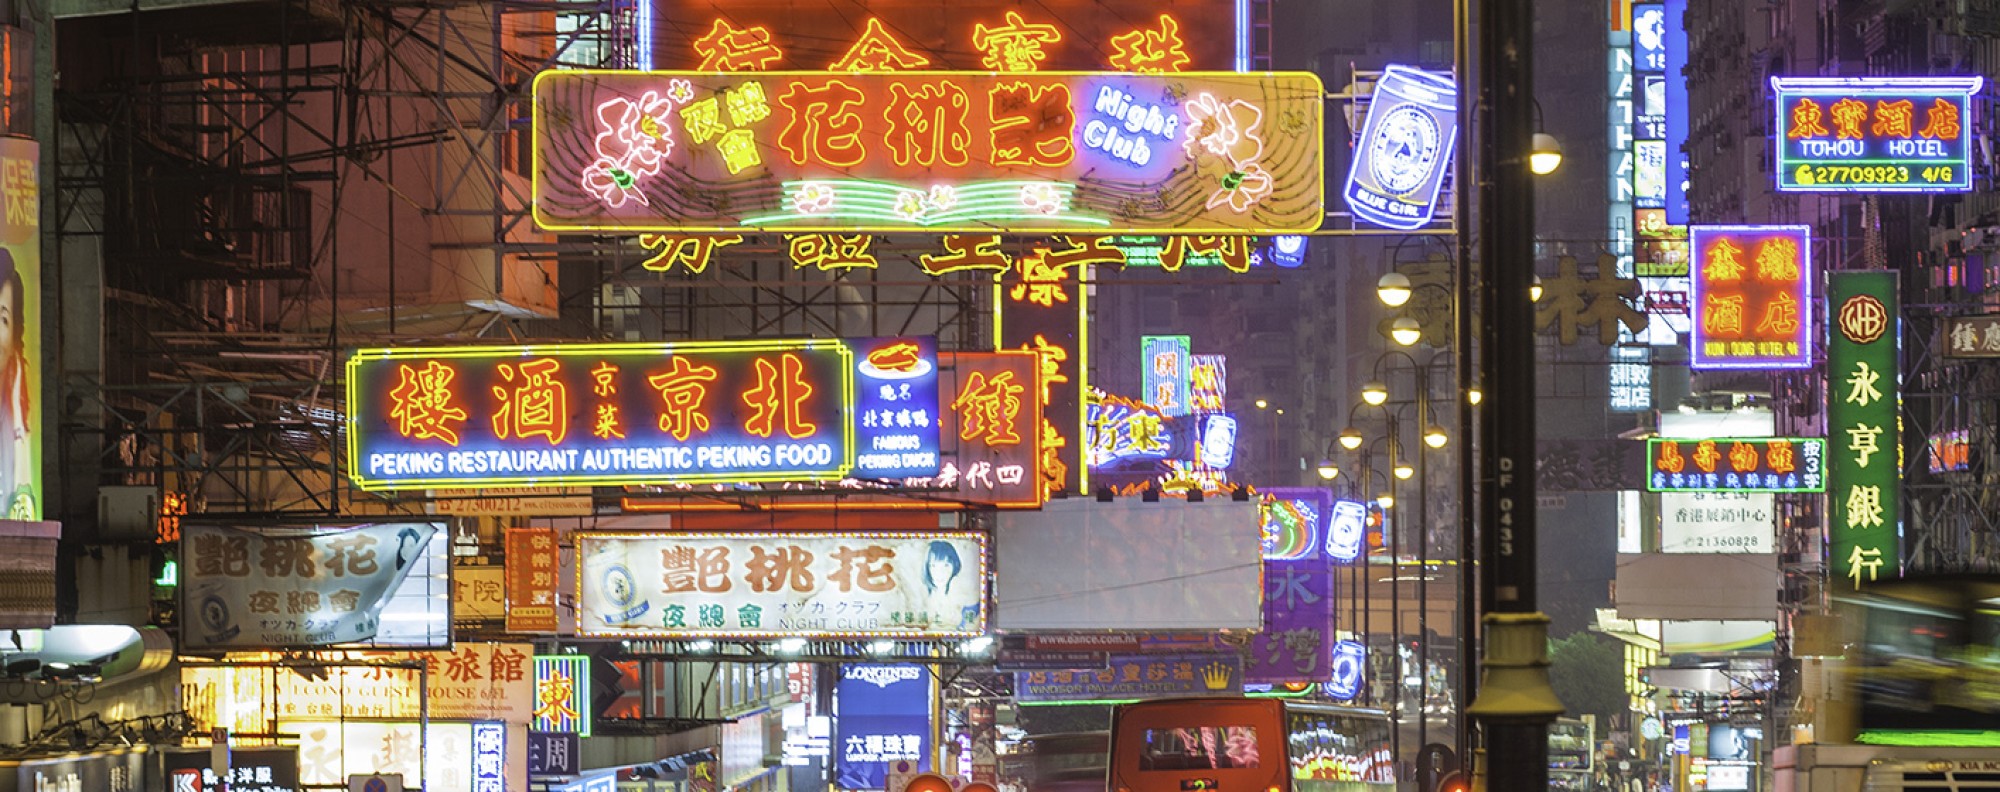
<point x="1375" y="393"/>
<point x="1393" y="289"/>
<point x="1474" y="394"/>
<point x="1545" y="154"/>
<point x="1263" y="403"/>
<point x="1534" y="294"/>
<point x="1435" y="437"/>
<point x="1350" y="438"/>
<point x="1385" y="500"/>
<point x="1328" y="471"/>
<point x="1403" y="471"/>
<point x="1405" y="331"/>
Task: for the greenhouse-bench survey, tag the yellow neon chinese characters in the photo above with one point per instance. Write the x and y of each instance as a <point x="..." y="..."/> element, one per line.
<point x="966" y="252"/>
<point x="689" y="252"/>
<point x="1894" y="119"/>
<point x="823" y="127"/>
<point x="1848" y="116"/>
<point x="779" y="398"/>
<point x="682" y="388"/>
<point x="988" y="408"/>
<point x="1781" y="316"/>
<point x="1742" y="457"/>
<point x="927" y="126"/>
<point x="729" y="48"/>
<point x="1806" y="121"/>
<point x="1723" y="315"/>
<point x="422" y="403"/>
<point x="552" y="699"/>
<point x="1778" y="259"/>
<point x="878" y="51"/>
<point x="1724" y="263"/>
<point x="825" y="252"/>
<point x="538" y="404"/>
<point x="1151" y="51"/>
<point x="1863" y="560"/>
<point x="1040" y="283"/>
<point x="1015" y="46"/>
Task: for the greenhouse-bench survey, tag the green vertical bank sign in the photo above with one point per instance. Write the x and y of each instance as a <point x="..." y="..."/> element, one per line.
<point x="1864" y="452"/>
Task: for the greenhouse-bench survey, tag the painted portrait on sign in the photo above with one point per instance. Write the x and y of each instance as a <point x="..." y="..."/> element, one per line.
<point x="20" y="329"/>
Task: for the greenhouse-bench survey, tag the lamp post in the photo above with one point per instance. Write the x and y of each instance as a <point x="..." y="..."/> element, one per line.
<point x="1364" y="449"/>
<point x="1430" y="436"/>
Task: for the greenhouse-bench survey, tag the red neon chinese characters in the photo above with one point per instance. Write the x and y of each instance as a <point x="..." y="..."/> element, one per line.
<point x="1032" y="125"/>
<point x="988" y="407"/>
<point x="1941" y="121"/>
<point x="1151" y="52"/>
<point x="605" y="424"/>
<point x="1015" y="46"/>
<point x="877" y="51"/>
<point x="966" y="252"/>
<point x="927" y="126"/>
<point x="729" y="48"/>
<point x="779" y="397"/>
<point x="1742" y="457"/>
<point x="1779" y="456"/>
<point x="1040" y="283"/>
<point x="1778" y="259"/>
<point x="1806" y="121"/>
<point x="537" y="405"/>
<point x="1894" y="119"/>
<point x="1781" y="316"/>
<point x="1848" y="115"/>
<point x="423" y="408"/>
<point x="682" y="390"/>
<point x="823" y="126"/>
<point x="1670" y="459"/>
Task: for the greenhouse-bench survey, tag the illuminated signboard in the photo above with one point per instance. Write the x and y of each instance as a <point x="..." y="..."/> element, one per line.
<point x="1976" y="336"/>
<point x="933" y="151"/>
<point x="1864" y="475"/>
<point x="383" y="584"/>
<point x="1122" y="431"/>
<point x="1350" y="668"/>
<point x="1208" y="383"/>
<point x="1347" y="531"/>
<point x="993" y="411"/>
<point x="489" y="757"/>
<point x="1292" y="521"/>
<point x="623" y="413"/>
<point x="927" y="585"/>
<point x="1215" y="441"/>
<point x="1166" y="362"/>
<point x="1675" y="31"/>
<point x="1405" y="148"/>
<point x="896" y="395"/>
<point x="562" y="694"/>
<point x="1040" y="307"/>
<point x="1288" y="251"/>
<point x="1874" y="134"/>
<point x="1752" y="296"/>
<point x="1739" y="464"/>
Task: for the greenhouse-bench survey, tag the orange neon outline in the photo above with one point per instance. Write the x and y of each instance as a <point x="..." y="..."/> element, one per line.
<point x="773" y="386"/>
<point x="1010" y="123"/>
<point x="721" y="50"/>
<point x="876" y="50"/>
<point x="604" y="377"/>
<point x="1941" y="121"/>
<point x="692" y="252"/>
<point x="535" y="375"/>
<point x="605" y="424"/>
<point x="1848" y="116"/>
<point x="832" y="249"/>
<point x="1806" y="117"/>
<point x="682" y="420"/>
<point x="431" y="389"/>
<point x="1894" y="118"/>
<point x="982" y="408"/>
<point x="981" y="255"/>
<point x="1144" y="51"/>
<point x="1020" y="39"/>
<point x="943" y="122"/>
<point x="836" y="123"/>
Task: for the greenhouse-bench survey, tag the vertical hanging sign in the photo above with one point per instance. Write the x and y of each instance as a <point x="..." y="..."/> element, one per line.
<point x="1864" y="451"/>
<point x="531" y="580"/>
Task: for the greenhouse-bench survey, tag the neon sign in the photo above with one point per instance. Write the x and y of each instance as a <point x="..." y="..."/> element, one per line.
<point x="1405" y="149"/>
<point x="1292" y="521"/>
<point x="1122" y="431"/>
<point x="562" y="694"/>
<point x="1735" y="464"/>
<point x="1752" y="296"/>
<point x="1350" y="666"/>
<point x="1347" y="531"/>
<point x="1168" y="372"/>
<point x="489" y="757"/>
<point x="1874" y="134"/>
<point x="1864" y="476"/>
<point x="985" y="152"/>
<point x="636" y="413"/>
<point x="1208" y="383"/>
<point x="1215" y="446"/>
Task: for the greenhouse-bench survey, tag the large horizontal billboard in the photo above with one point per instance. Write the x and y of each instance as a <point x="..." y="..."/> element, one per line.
<point x="983" y="152"/>
<point x="383" y="585"/>
<point x="1874" y="134"/>
<point x="923" y="585"/>
<point x="1083" y="565"/>
<point x="609" y="414"/>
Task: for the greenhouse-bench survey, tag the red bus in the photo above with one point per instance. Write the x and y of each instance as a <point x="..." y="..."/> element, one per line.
<point x="1250" y="745"/>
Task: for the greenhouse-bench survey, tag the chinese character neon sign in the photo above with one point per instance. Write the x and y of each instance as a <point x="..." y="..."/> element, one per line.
<point x="973" y="152"/>
<point x="1167" y="373"/>
<point x="1735" y="464"/>
<point x="1874" y="134"/>
<point x="1864" y="473"/>
<point x="1752" y="296"/>
<point x="562" y="694"/>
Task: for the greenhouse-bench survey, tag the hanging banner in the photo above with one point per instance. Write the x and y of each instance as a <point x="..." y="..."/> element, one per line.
<point x="1297" y="642"/>
<point x="883" y="713"/>
<point x="1405" y="149"/>
<point x="21" y="355"/>
<point x="976" y="152"/>
<point x="1874" y="134"/>
<point x="1863" y="396"/>
<point x="531" y="580"/>
<point x="1752" y="296"/>
<point x="1167" y="374"/>
<point x="781" y="584"/>
<point x="298" y="587"/>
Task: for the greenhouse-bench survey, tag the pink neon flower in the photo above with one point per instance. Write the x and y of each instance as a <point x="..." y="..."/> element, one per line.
<point x="813" y="198"/>
<point x="1225" y="130"/>
<point x="1251" y="185"/>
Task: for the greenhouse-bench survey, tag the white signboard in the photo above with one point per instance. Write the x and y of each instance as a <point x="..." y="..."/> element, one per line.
<point x="329" y="752"/>
<point x="1716" y="522"/>
<point x="311" y="587"/>
<point x="807" y="584"/>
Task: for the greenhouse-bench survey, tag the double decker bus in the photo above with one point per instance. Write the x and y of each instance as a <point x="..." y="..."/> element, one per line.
<point x="1249" y="745"/>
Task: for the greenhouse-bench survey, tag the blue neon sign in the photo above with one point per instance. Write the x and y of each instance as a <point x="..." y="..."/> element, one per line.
<point x="896" y="399"/>
<point x="1348" y="531"/>
<point x="1405" y="149"/>
<point x="1350" y="662"/>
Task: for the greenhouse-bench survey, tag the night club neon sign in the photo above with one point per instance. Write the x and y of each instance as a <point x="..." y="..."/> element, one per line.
<point x="938" y="151"/>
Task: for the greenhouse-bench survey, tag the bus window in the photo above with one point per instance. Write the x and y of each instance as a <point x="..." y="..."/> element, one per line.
<point x="1200" y="748"/>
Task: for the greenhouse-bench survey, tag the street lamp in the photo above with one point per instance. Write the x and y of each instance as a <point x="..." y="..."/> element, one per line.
<point x="1435" y="437"/>
<point x="1386" y="500"/>
<point x="1403" y="471"/>
<point x="1393" y="289"/>
<point x="1375" y="393"/>
<point x="1350" y="438"/>
<point x="1328" y="471"/>
<point x="1405" y="331"/>
<point x="1534" y="294"/>
<point x="1545" y="154"/>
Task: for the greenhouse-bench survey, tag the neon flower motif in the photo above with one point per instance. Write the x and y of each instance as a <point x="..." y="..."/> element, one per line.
<point x="632" y="144"/>
<point x="1041" y="197"/>
<point x="1242" y="188"/>
<point x="942" y="197"/>
<point x="1225" y="130"/>
<point x="680" y="91"/>
<point x="813" y="198"/>
<point x="909" y="204"/>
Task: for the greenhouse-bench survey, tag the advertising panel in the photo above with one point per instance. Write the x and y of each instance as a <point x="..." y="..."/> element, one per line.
<point x="472" y="681"/>
<point x="1133" y="677"/>
<point x="439" y="754"/>
<point x="1168" y="362"/>
<point x="1675" y="25"/>
<point x="122" y="771"/>
<point x="994" y="414"/>
<point x="20" y="334"/>
<point x="562" y="694"/>
<point x="896" y="396"/>
<point x="1972" y="336"/>
<point x="635" y="413"/>
<point x="478" y="595"/>
<point x="1040" y="307"/>
<point x="1405" y="149"/>
<point x="1752" y="296"/>
<point x="1292" y="520"/>
<point x="1863" y="393"/>
<point x="1874" y="134"/>
<point x="812" y="584"/>
<point x="933" y="151"/>
<point x="1717" y="522"/>
<point x="314" y="587"/>
<point x="554" y="754"/>
<point x="1208" y="383"/>
<point x="1297" y="642"/>
<point x="489" y="757"/>
<point x="1735" y="464"/>
<point x="531" y="580"/>
<point x="883" y="713"/>
<point x="250" y="770"/>
<point x="1078" y="564"/>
